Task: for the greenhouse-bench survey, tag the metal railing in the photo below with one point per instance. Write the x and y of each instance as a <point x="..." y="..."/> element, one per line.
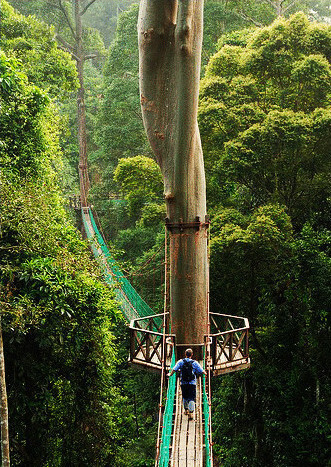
<point x="228" y="343"/>
<point x="206" y="394"/>
<point x="149" y="345"/>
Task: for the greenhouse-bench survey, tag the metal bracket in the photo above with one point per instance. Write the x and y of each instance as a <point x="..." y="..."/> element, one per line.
<point x="181" y="226"/>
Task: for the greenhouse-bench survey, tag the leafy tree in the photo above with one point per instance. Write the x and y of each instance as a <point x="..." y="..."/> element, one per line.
<point x="219" y="18"/>
<point x="33" y="43"/>
<point x="260" y="114"/>
<point x="51" y="69"/>
<point x="265" y="129"/>
<point x="274" y="414"/>
<point x="120" y="129"/>
<point x="264" y="12"/>
<point x="139" y="177"/>
<point x="56" y="314"/>
<point x="139" y="181"/>
<point x="103" y="16"/>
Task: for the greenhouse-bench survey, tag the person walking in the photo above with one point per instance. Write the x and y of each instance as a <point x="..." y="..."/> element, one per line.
<point x="189" y="370"/>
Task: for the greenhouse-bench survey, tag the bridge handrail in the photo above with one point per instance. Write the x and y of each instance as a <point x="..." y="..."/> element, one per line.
<point x="147" y="331"/>
<point x="115" y="276"/>
<point x="164" y="456"/>
<point x="148" y="317"/>
<point x="229" y="347"/>
<point x="230" y="331"/>
<point x="207" y="415"/>
<point x="227" y="316"/>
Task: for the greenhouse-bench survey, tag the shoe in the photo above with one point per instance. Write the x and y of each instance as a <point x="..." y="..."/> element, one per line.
<point x="186" y="411"/>
<point x="190" y="416"/>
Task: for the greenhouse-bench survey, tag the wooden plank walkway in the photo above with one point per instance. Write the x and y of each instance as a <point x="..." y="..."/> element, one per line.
<point x="187" y="445"/>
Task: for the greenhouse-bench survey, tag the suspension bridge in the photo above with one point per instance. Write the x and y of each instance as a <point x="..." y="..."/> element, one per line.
<point x="180" y="442"/>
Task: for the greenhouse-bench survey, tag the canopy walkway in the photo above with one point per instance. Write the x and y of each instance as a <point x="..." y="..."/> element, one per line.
<point x="132" y="305"/>
<point x="181" y="442"/>
<point x="185" y="442"/>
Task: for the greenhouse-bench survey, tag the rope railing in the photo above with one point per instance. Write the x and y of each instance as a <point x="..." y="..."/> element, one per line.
<point x="207" y="419"/>
<point x="132" y="305"/>
<point x="167" y="418"/>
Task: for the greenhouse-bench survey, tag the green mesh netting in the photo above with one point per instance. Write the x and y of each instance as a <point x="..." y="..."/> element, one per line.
<point x="167" y="418"/>
<point x="206" y="417"/>
<point x="132" y="305"/>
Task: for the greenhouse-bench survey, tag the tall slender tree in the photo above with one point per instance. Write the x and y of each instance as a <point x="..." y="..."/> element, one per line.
<point x="170" y="39"/>
<point x="75" y="45"/>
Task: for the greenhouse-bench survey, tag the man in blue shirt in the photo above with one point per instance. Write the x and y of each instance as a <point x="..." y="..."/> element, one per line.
<point x="189" y="370"/>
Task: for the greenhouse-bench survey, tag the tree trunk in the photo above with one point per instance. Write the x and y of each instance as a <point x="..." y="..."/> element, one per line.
<point x="170" y="39"/>
<point x="80" y="58"/>
<point x="3" y="408"/>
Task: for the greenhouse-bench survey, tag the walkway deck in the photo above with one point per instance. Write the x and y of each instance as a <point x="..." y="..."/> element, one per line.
<point x="187" y="444"/>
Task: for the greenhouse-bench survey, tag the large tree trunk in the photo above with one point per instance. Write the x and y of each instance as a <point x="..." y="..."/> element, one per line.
<point x="4" y="408"/>
<point x="80" y="57"/>
<point x="170" y="39"/>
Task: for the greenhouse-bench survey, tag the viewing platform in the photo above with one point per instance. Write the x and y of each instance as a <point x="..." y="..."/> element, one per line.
<point x="226" y="347"/>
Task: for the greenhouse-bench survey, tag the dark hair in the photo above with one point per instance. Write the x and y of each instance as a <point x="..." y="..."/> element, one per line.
<point x="188" y="352"/>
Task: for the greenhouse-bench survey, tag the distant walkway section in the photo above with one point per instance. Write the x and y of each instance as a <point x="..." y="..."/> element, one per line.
<point x="131" y="303"/>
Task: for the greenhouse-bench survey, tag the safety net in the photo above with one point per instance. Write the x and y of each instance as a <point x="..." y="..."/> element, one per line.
<point x="167" y="418"/>
<point x="132" y="305"/>
<point x="206" y="416"/>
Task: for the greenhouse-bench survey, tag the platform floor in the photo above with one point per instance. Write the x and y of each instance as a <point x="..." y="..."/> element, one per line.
<point x="187" y="444"/>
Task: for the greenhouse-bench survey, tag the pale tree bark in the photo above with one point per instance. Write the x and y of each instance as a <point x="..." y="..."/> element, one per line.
<point x="170" y="39"/>
<point x="4" y="408"/>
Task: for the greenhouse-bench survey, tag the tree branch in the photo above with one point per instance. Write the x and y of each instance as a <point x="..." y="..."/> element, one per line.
<point x="290" y="5"/>
<point x="67" y="18"/>
<point x="90" y="56"/>
<point x="248" y="18"/>
<point x="87" y="7"/>
<point x="73" y="55"/>
<point x="65" y="43"/>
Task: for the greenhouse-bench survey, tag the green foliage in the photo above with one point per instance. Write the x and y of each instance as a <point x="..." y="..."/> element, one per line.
<point x="265" y="125"/>
<point x="94" y="17"/>
<point x="120" y="130"/>
<point x="275" y="413"/>
<point x="57" y="316"/>
<point x="25" y="139"/>
<point x="262" y="13"/>
<point x="33" y="43"/>
<point x="218" y="19"/>
<point x="58" y="323"/>
<point x="139" y="180"/>
<point x="277" y="161"/>
<point x="262" y="102"/>
<point x="139" y="173"/>
<point x="92" y="97"/>
<point x="47" y="67"/>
